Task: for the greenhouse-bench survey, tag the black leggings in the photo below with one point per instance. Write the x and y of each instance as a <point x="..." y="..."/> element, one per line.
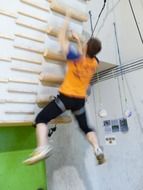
<point x="76" y="105"/>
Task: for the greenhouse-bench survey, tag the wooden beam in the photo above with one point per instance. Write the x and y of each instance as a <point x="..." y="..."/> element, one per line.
<point x="36" y="5"/>
<point x="20" y="101"/>
<point x="23" y="91"/>
<point x="48" y="54"/>
<point x="8" y="13"/>
<point x="32" y="16"/>
<point x="61" y="9"/>
<point x="20" y="112"/>
<point x="26" y="60"/>
<point x="36" y="39"/>
<point x="61" y="120"/>
<point x="17" y="101"/>
<point x="16" y="123"/>
<point x="3" y="80"/>
<point x="7" y="59"/>
<point x="50" y="79"/>
<point x="27" y="70"/>
<point x="6" y="37"/>
<point x="58" y="120"/>
<point x="29" y="49"/>
<point x="33" y="27"/>
<point x="42" y="101"/>
<point x="53" y="31"/>
<point x="16" y="80"/>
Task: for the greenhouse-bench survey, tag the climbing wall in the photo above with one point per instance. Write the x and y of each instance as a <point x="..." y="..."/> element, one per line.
<point x="23" y="36"/>
<point x="31" y="66"/>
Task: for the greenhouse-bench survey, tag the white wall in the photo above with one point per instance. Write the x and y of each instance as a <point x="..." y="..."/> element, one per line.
<point x="73" y="165"/>
<point x="124" y="168"/>
<point x="104" y="30"/>
<point x="8" y="49"/>
<point x="129" y="40"/>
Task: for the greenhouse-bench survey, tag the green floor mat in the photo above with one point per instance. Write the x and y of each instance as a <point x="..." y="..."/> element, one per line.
<point x="16" y="176"/>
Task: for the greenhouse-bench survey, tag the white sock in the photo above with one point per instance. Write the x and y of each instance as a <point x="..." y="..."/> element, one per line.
<point x="41" y="148"/>
<point x="98" y="150"/>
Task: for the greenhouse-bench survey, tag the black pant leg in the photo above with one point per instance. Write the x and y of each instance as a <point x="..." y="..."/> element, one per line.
<point x="48" y="113"/>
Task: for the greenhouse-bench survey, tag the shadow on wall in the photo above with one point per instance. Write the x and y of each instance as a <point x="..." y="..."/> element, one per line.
<point x="66" y="168"/>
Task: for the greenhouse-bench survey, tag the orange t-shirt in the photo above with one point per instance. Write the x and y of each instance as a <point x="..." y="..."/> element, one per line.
<point x="78" y="77"/>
